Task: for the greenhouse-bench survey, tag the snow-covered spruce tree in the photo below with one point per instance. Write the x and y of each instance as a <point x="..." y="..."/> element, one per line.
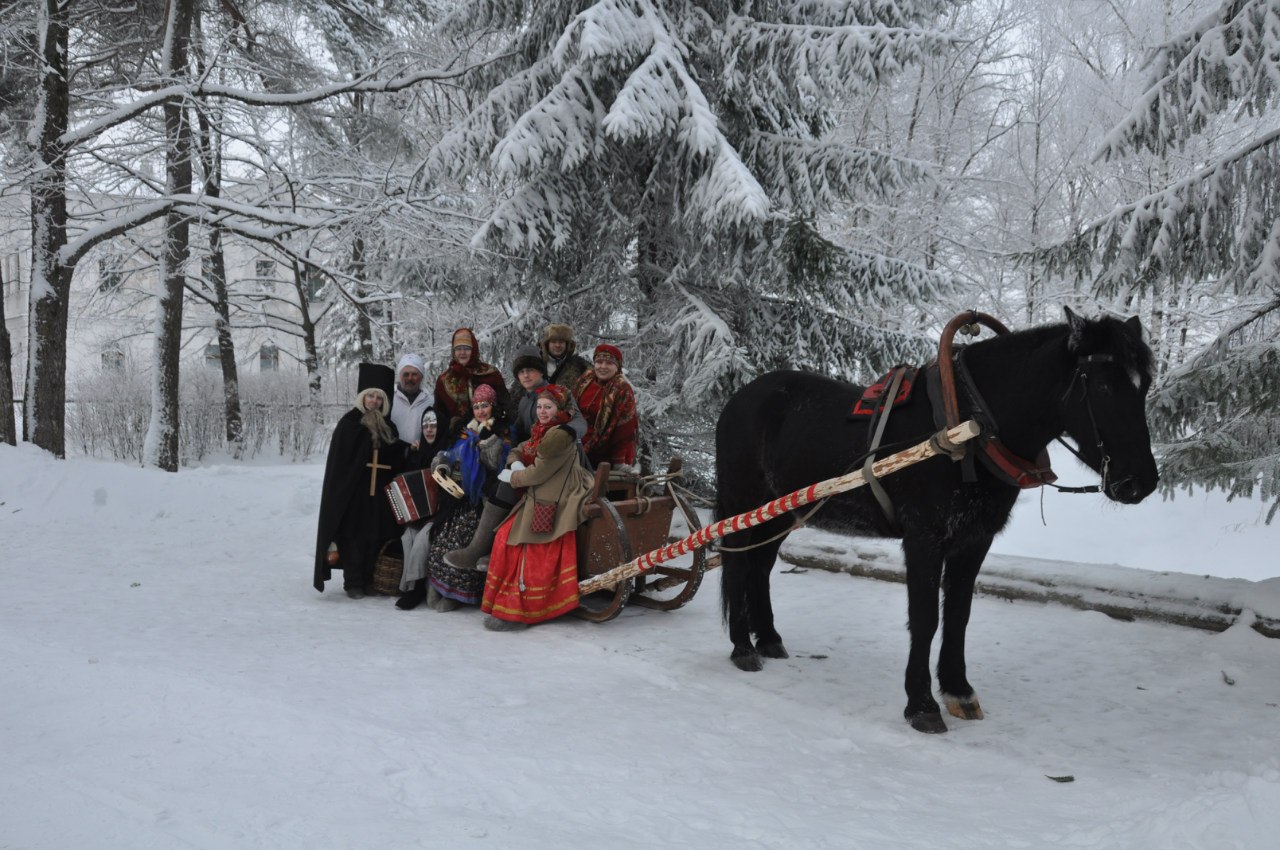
<point x="666" y="162"/>
<point x="1209" y="242"/>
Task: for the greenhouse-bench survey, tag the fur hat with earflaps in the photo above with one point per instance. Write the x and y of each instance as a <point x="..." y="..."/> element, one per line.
<point x="564" y="333"/>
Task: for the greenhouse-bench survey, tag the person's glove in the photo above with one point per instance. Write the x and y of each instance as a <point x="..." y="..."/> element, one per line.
<point x="505" y="476"/>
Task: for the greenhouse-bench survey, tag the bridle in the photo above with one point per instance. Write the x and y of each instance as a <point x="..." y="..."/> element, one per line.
<point x="1081" y="376"/>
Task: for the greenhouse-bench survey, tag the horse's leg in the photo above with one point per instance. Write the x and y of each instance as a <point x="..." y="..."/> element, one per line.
<point x="958" y="581"/>
<point x="735" y="577"/>
<point x="759" y="603"/>
<point x="924" y="570"/>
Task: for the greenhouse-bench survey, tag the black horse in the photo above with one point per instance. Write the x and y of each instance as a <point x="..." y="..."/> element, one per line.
<point x="787" y="430"/>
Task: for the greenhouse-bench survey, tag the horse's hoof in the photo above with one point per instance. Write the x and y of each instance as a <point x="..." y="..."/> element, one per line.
<point x="929" y="723"/>
<point x="966" y="708"/>
<point x="748" y="661"/>
<point x="772" y="649"/>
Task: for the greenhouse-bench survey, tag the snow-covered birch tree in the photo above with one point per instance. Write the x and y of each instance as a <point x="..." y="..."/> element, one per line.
<point x="1213" y="232"/>
<point x="667" y="165"/>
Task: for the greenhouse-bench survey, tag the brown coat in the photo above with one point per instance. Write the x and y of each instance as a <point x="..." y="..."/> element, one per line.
<point x="555" y="475"/>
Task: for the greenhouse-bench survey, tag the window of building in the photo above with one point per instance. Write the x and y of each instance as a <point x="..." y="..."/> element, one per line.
<point x="264" y="272"/>
<point x="113" y="360"/>
<point x="269" y="358"/>
<point x="212" y="356"/>
<point x="312" y="283"/>
<point x="13" y="271"/>
<point x="110" y="273"/>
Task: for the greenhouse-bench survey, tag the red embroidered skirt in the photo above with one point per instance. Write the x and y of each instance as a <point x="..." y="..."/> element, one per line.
<point x="533" y="582"/>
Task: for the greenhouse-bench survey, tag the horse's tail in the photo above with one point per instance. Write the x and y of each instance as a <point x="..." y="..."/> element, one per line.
<point x="750" y="420"/>
<point x="733" y="570"/>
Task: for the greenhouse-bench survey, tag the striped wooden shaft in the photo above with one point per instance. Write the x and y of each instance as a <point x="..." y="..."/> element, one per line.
<point x="961" y="433"/>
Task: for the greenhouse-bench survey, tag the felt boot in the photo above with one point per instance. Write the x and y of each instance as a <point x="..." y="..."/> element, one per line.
<point x="493" y="624"/>
<point x="481" y="542"/>
<point x="413" y="597"/>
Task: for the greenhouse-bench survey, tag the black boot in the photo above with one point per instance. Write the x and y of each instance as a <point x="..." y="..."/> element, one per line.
<point x="413" y="597"/>
<point x="481" y="542"/>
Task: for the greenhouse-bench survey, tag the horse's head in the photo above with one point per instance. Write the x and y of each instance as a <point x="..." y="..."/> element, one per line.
<point x="1104" y="407"/>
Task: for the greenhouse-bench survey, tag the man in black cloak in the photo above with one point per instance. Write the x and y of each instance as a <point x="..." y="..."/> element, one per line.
<point x="364" y="455"/>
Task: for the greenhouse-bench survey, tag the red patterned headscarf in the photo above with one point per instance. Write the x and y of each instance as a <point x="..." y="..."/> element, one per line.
<point x="455" y="384"/>
<point x="560" y="395"/>
<point x="465" y="336"/>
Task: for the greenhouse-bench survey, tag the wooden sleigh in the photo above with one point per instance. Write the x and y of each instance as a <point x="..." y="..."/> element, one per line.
<point x="627" y="516"/>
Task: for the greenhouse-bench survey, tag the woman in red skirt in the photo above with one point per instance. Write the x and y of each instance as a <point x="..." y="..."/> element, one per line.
<point x="533" y="569"/>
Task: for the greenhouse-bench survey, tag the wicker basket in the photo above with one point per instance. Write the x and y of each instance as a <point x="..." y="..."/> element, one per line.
<point x="388" y="569"/>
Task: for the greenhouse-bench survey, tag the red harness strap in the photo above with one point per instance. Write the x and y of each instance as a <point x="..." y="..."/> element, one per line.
<point x="1015" y="470"/>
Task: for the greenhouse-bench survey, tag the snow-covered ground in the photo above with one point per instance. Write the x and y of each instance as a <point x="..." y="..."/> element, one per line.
<point x="170" y="679"/>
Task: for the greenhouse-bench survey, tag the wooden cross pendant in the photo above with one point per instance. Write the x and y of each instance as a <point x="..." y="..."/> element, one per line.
<point x="373" y="473"/>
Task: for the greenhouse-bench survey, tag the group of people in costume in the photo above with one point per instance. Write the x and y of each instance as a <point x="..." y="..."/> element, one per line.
<point x="521" y="455"/>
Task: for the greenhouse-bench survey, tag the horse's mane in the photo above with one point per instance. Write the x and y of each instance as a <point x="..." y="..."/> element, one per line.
<point x="1105" y="334"/>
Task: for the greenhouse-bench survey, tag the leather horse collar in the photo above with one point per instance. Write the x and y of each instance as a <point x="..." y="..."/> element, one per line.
<point x="994" y="454"/>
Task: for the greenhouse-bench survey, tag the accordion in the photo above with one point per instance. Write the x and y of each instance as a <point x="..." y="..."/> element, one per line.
<point x="413" y="496"/>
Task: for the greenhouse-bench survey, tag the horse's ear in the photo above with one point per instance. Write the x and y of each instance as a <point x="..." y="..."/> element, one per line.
<point x="1134" y="324"/>
<point x="1075" y="324"/>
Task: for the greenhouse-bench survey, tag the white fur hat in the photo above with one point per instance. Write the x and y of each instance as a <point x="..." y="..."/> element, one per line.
<point x="411" y="359"/>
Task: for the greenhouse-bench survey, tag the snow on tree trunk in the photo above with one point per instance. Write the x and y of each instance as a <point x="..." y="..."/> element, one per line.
<point x="161" y="446"/>
<point x="44" y="414"/>
<point x="226" y="345"/>
<point x="8" y="427"/>
<point x="210" y="154"/>
<point x="364" y="326"/>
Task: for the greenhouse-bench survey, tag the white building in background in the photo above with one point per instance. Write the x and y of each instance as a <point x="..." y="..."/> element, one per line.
<point x="111" y="314"/>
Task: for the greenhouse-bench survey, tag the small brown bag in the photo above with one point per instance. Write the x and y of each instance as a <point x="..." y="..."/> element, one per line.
<point x="544" y="517"/>
<point x="544" y="513"/>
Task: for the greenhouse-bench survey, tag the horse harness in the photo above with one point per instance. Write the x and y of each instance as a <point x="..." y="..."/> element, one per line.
<point x="940" y="379"/>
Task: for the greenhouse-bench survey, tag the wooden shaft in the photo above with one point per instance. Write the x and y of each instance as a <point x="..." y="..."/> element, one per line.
<point x="961" y="433"/>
